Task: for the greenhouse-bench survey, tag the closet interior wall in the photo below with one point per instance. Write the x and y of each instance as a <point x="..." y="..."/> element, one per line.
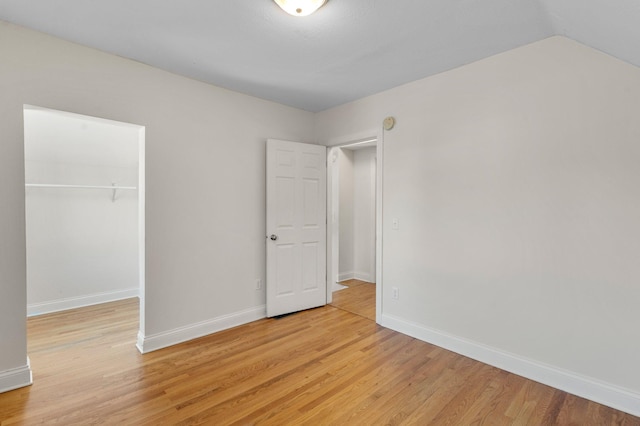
<point x="82" y="243"/>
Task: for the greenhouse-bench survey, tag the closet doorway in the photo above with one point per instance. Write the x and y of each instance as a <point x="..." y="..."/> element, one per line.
<point x="353" y="231"/>
<point x="84" y="211"/>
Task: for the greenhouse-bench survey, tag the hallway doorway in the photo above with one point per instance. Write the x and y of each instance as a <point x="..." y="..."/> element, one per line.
<point x="353" y="220"/>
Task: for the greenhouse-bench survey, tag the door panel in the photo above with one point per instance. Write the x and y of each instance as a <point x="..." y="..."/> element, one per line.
<point x="296" y="216"/>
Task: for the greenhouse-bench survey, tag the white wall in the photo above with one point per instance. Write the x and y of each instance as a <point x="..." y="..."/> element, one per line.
<point x="364" y="214"/>
<point x="357" y="214"/>
<point x="82" y="248"/>
<point x="346" y="263"/>
<point x="515" y="180"/>
<point x="205" y="198"/>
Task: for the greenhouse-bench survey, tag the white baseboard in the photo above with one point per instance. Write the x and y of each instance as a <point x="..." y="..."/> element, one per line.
<point x="157" y="341"/>
<point x="364" y="276"/>
<point x="585" y="387"/>
<point x="16" y="378"/>
<point x="345" y="276"/>
<point x="34" y="309"/>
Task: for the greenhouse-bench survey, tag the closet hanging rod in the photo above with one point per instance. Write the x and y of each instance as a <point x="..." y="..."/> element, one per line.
<point x="52" y="185"/>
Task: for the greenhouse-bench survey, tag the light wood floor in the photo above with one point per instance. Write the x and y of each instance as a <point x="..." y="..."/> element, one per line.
<point x="359" y="298"/>
<point x="323" y="366"/>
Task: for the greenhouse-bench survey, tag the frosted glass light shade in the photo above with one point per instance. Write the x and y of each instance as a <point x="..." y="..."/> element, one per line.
<point x="300" y="7"/>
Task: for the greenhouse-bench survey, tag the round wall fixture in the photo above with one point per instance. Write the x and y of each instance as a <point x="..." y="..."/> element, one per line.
<point x="300" y="7"/>
<point x="388" y="123"/>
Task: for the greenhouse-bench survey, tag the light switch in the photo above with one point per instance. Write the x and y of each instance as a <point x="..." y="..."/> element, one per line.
<point x="395" y="224"/>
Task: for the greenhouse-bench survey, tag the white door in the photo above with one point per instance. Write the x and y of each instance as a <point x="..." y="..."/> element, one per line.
<point x="296" y="227"/>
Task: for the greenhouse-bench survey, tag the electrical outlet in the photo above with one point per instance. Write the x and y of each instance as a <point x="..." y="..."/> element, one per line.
<point x="395" y="293"/>
<point x="395" y="224"/>
<point x="258" y="284"/>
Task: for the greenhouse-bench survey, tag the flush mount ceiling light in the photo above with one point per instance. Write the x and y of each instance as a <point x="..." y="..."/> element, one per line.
<point x="300" y="7"/>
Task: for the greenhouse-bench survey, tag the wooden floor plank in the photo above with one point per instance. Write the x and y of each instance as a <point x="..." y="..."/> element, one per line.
<point x="322" y="366"/>
<point x="358" y="298"/>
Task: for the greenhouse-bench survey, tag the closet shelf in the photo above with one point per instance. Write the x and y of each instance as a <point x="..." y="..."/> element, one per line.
<point x="54" y="185"/>
<point x="113" y="187"/>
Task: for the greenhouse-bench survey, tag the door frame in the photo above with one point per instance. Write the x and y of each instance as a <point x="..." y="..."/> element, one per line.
<point x="373" y="134"/>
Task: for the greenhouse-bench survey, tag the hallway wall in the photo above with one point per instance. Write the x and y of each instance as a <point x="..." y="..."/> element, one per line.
<point x="364" y="207"/>
<point x="357" y="214"/>
<point x="346" y="262"/>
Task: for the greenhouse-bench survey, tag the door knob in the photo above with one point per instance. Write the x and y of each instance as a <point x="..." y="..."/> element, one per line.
<point x="273" y="237"/>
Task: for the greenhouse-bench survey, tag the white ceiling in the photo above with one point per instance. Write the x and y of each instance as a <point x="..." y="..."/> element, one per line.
<point x="347" y="50"/>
